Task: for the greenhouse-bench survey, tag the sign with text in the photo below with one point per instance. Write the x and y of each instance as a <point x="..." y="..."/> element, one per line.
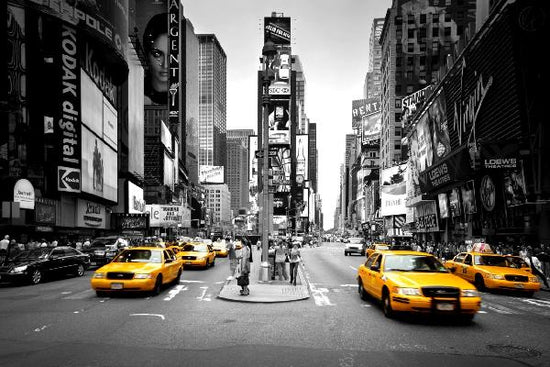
<point x="211" y="174"/>
<point x="453" y="168"/>
<point x="392" y="190"/>
<point x="277" y="29"/>
<point x="164" y="215"/>
<point x="90" y="214"/>
<point x="23" y="193"/>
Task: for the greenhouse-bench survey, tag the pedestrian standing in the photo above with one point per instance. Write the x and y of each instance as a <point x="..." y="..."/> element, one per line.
<point x="295" y="258"/>
<point x="536" y="266"/>
<point x="232" y="255"/>
<point x="280" y="257"/>
<point x="244" y="279"/>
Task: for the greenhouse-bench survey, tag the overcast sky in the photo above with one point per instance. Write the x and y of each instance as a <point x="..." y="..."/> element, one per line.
<point x="332" y="39"/>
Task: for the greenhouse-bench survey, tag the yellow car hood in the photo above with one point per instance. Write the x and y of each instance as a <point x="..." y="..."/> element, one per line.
<point x="502" y="270"/>
<point x="418" y="280"/>
<point x="192" y="253"/>
<point x="129" y="267"/>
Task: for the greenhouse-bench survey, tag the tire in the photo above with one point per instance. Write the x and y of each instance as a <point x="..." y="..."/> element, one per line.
<point x="177" y="279"/>
<point x="36" y="276"/>
<point x="386" y="305"/>
<point x="345" y="253"/>
<point x="529" y="294"/>
<point x="207" y="264"/>
<point x="213" y="262"/>
<point x="158" y="286"/>
<point x="466" y="319"/>
<point x="362" y="292"/>
<point x="479" y="282"/>
<point x="80" y="270"/>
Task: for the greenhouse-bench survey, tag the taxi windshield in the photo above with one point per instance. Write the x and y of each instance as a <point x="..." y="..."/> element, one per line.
<point x="501" y="261"/>
<point x="414" y="263"/>
<point x="195" y="248"/>
<point x="139" y="256"/>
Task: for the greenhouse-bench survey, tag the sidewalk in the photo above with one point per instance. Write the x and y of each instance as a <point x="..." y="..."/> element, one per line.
<point x="266" y="292"/>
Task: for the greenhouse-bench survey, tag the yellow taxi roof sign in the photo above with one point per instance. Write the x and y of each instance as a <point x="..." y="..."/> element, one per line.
<point x="482" y="247"/>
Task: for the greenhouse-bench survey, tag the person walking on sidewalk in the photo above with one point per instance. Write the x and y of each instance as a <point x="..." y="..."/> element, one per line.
<point x="232" y="255"/>
<point x="295" y="259"/>
<point x="243" y="280"/>
<point x="280" y="257"/>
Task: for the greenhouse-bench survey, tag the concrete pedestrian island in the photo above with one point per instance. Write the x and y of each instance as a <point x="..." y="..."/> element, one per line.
<point x="266" y="292"/>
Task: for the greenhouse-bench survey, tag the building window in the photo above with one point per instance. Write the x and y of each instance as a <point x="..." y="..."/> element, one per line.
<point x="448" y="17"/>
<point x="410" y="47"/>
<point x="422" y="18"/>
<point x="398" y="75"/>
<point x="410" y="33"/>
<point x="398" y="20"/>
<point x="398" y="33"/>
<point x="422" y="33"/>
<point x="422" y="47"/>
<point x="410" y="89"/>
<point x="435" y="46"/>
<point x="398" y="47"/>
<point x="398" y="89"/>
<point x="447" y="31"/>
<point x="398" y="62"/>
<point x="410" y="61"/>
<point x="435" y="18"/>
<point x="459" y="30"/>
<point x="410" y="19"/>
<point x="397" y="118"/>
<point x="435" y="32"/>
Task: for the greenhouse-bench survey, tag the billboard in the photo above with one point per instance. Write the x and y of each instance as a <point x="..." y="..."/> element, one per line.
<point x="277" y="29"/>
<point x="136" y="203"/>
<point x="279" y="123"/>
<point x="211" y="174"/>
<point x="392" y="190"/>
<point x="305" y="210"/>
<point x="99" y="167"/>
<point x="281" y="66"/>
<point x="424" y="154"/>
<point x="437" y="114"/>
<point x="302" y="154"/>
<point x="413" y="102"/>
<point x="454" y="203"/>
<point x="252" y="170"/>
<point x="90" y="214"/>
<point x="469" y="198"/>
<point x="279" y="168"/>
<point x="443" y="205"/>
<point x="280" y="203"/>
<point x="514" y="187"/>
<point x="165" y="215"/>
<point x="364" y="107"/>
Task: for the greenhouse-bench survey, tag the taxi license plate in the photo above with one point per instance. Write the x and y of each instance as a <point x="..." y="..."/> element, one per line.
<point x="519" y="285"/>
<point x="189" y="262"/>
<point x="117" y="285"/>
<point x="445" y="306"/>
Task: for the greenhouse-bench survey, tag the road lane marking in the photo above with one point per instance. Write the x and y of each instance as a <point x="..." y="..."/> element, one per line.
<point x="353" y="268"/>
<point x="320" y="296"/>
<point x="148" y="314"/>
<point x="174" y="292"/>
<point x="481" y="311"/>
<point x="191" y="281"/>
<point x="66" y="292"/>
<point x="502" y="309"/>
<point x="39" y="329"/>
<point x="204" y="296"/>
<point x="348" y="285"/>
<point x="537" y="302"/>
<point x="80" y="295"/>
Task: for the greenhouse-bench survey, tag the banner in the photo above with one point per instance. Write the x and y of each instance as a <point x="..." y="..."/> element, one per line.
<point x="454" y="203"/>
<point x="514" y="187"/>
<point x="279" y="167"/>
<point x="302" y="154"/>
<point x="425" y="147"/>
<point x="277" y="29"/>
<point x="279" y="123"/>
<point x="487" y="193"/>
<point x="211" y="174"/>
<point x="411" y="103"/>
<point x="468" y="198"/>
<point x="437" y="114"/>
<point x="165" y="215"/>
<point x="252" y="171"/>
<point x="174" y="62"/>
<point x="281" y="66"/>
<point x="392" y="191"/>
<point x="426" y="217"/>
<point x="443" y="205"/>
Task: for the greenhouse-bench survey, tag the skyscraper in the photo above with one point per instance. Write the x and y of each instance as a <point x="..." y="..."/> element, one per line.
<point x="373" y="79"/>
<point x="237" y="167"/>
<point x="212" y="101"/>
<point x="191" y="102"/>
<point x="302" y="119"/>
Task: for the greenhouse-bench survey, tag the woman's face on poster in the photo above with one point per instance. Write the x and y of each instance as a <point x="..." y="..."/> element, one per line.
<point x="158" y="62"/>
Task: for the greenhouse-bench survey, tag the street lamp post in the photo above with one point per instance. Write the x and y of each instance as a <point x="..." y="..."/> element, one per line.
<point x="269" y="51"/>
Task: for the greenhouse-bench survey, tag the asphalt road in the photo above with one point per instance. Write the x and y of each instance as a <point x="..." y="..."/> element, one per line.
<point x="62" y="323"/>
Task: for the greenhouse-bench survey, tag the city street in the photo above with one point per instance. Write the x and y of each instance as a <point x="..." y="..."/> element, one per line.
<point x="62" y="323"/>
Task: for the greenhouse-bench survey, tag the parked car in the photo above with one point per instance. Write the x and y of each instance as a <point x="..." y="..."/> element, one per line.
<point x="33" y="265"/>
<point x="104" y="249"/>
<point x="138" y="269"/>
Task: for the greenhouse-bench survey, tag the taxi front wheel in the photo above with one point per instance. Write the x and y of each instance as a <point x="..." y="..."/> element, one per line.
<point x="479" y="282"/>
<point x="386" y="305"/>
<point x="362" y="292"/>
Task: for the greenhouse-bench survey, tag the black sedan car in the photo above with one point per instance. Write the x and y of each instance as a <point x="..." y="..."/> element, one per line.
<point x="32" y="265"/>
<point x="103" y="250"/>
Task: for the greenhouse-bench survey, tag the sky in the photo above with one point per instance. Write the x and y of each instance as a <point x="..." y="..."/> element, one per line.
<point x="331" y="38"/>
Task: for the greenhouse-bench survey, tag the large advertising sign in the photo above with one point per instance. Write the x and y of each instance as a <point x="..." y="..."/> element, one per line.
<point x="366" y="115"/>
<point x="277" y="29"/>
<point x="426" y="217"/>
<point x="165" y="215"/>
<point x="469" y="198"/>
<point x="305" y="211"/>
<point x="99" y="167"/>
<point x="302" y="154"/>
<point x="90" y="214"/>
<point x="364" y="107"/>
<point x="514" y="187"/>
<point x="211" y="174"/>
<point x="424" y="137"/>
<point x="281" y="66"/>
<point x="279" y="123"/>
<point x="280" y="203"/>
<point x="279" y="167"/>
<point x="437" y="114"/>
<point x="456" y="167"/>
<point x="105" y="20"/>
<point x="158" y="23"/>
<point x="23" y="193"/>
<point x="392" y="190"/>
<point x="252" y="170"/>
<point x="68" y="132"/>
<point x="136" y="203"/>
<point x="413" y="172"/>
<point x="412" y="102"/>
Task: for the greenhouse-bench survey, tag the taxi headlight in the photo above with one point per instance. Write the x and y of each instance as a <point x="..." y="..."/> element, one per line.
<point x="469" y="293"/>
<point x="143" y="276"/>
<point x="99" y="252"/>
<point x="19" y="269"/>
<point x="409" y="291"/>
<point x="99" y="275"/>
<point x="533" y="279"/>
<point x="496" y="276"/>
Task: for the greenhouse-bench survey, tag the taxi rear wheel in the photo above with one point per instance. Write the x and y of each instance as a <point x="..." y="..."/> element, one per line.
<point x="177" y="279"/>
<point x="386" y="305"/>
<point x="362" y="292"/>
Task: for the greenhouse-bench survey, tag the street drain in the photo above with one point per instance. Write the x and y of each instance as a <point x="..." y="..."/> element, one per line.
<point x="513" y="351"/>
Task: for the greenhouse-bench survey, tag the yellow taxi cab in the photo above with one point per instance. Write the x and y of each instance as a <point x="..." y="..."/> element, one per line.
<point x="220" y="248"/>
<point x="488" y="270"/>
<point x="197" y="254"/>
<point x="137" y="269"/>
<point x="175" y="249"/>
<point x="376" y="246"/>
<point x="411" y="281"/>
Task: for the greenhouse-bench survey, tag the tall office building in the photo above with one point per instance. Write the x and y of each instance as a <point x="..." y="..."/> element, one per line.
<point x="191" y="102"/>
<point x="302" y="119"/>
<point x="313" y="156"/>
<point x="237" y="167"/>
<point x="212" y="101"/>
<point x="416" y="39"/>
<point x="373" y="79"/>
<point x="218" y="199"/>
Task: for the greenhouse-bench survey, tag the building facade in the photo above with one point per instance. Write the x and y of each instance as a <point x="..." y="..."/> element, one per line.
<point x="237" y="167"/>
<point x="373" y="79"/>
<point x="218" y="203"/>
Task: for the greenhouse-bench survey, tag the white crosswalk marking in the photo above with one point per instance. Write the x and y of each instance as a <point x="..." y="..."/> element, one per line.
<point x="80" y="295"/>
<point x="320" y="296"/>
<point x="174" y="292"/>
<point x="537" y="302"/>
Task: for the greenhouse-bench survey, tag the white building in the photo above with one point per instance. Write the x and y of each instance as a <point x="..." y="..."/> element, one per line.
<point x="218" y="200"/>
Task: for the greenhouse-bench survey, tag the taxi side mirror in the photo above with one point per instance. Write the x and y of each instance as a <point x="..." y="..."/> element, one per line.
<point x="375" y="268"/>
<point x="453" y="270"/>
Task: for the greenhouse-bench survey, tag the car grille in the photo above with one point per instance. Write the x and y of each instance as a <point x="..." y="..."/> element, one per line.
<point x="120" y="276"/>
<point x="189" y="257"/>
<point x="441" y="292"/>
<point x="516" y="278"/>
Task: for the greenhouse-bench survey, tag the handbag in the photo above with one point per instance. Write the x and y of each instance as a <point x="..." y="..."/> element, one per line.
<point x="243" y="280"/>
